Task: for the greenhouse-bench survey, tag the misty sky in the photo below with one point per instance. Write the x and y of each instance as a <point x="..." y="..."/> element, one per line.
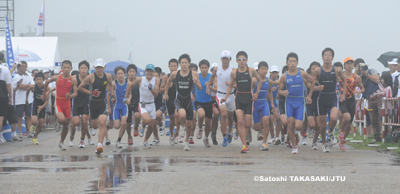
<point x="266" y="30"/>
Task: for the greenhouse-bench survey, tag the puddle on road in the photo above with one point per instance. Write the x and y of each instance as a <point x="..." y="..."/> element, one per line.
<point x="9" y="170"/>
<point x="124" y="167"/>
<point x="47" y="158"/>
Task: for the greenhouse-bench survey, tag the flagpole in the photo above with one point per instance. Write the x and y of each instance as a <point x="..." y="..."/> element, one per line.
<point x="44" y="8"/>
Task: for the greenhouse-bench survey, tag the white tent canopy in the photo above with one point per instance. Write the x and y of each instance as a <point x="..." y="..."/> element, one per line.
<point x="46" y="48"/>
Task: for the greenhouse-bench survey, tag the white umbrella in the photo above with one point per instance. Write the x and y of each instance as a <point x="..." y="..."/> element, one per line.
<point x="26" y="55"/>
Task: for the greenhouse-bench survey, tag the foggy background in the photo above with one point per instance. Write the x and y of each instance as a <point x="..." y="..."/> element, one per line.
<point x="267" y="30"/>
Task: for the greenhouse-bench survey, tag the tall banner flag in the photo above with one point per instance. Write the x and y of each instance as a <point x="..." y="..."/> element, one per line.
<point x="130" y="56"/>
<point x="9" y="49"/>
<point x="40" y="27"/>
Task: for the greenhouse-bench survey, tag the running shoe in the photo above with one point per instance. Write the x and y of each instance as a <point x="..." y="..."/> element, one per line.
<point x="199" y="134"/>
<point x="186" y="147"/>
<point x="81" y="145"/>
<point x="108" y="142"/>
<point x="99" y="149"/>
<point x="304" y="140"/>
<point x="225" y="142"/>
<point x="264" y="147"/>
<point x="341" y="135"/>
<point x="172" y="141"/>
<point x="2" y="140"/>
<point x="130" y="141"/>
<point x="331" y="140"/>
<point x="135" y="133"/>
<point x="325" y="148"/>
<point x="236" y="135"/>
<point x="206" y="143"/>
<point x="247" y="142"/>
<point x="15" y="138"/>
<point x="146" y="144"/>
<point x="314" y="146"/>
<point x="229" y="136"/>
<point x="179" y="140"/>
<point x="61" y="146"/>
<point x="259" y="136"/>
<point x="214" y="138"/>
<point x="182" y="131"/>
<point x="92" y="132"/>
<point x="90" y="141"/>
<point x="271" y="141"/>
<point x="191" y="140"/>
<point x="141" y="132"/>
<point x="168" y="133"/>
<point x="295" y="150"/>
<point x="118" y="144"/>
<point x="341" y="145"/>
<point x="155" y="142"/>
<point x="277" y="141"/>
<point x="71" y="144"/>
<point x="30" y="135"/>
<point x="162" y="131"/>
<point x="245" y="149"/>
<point x="35" y="141"/>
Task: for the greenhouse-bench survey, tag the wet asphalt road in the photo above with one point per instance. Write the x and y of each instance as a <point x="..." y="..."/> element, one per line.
<point x="27" y="168"/>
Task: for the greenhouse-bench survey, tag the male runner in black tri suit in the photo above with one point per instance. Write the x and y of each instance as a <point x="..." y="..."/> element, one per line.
<point x="327" y="75"/>
<point x="242" y="77"/>
<point x="184" y="80"/>
<point x="98" y="109"/>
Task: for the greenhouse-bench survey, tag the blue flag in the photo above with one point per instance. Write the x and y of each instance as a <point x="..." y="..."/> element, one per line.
<point x="9" y="49"/>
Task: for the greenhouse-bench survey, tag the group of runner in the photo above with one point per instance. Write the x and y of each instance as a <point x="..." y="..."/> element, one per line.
<point x="219" y="95"/>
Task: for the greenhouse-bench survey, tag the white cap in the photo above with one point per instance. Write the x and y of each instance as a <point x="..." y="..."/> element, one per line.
<point x="46" y="71"/>
<point x="393" y="61"/>
<point x="226" y="54"/>
<point x="274" y="69"/>
<point x="363" y="64"/>
<point x="255" y="65"/>
<point x="214" y="65"/>
<point x="99" y="63"/>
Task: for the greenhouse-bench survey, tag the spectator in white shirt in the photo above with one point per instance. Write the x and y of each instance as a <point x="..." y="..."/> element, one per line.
<point x="393" y="67"/>
<point x="22" y="82"/>
<point x="5" y="94"/>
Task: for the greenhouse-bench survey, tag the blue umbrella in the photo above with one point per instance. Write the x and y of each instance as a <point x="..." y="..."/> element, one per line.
<point x="112" y="65"/>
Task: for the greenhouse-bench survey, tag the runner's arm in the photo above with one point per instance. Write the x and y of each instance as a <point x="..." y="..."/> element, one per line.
<point x="46" y="85"/>
<point x="215" y="86"/>
<point x="270" y="97"/>
<point x="109" y="85"/>
<point x="230" y="87"/>
<point x="197" y="81"/>
<point x="169" y="81"/>
<point x="129" y="88"/>
<point x="75" y="87"/>
<point x="256" y="75"/>
<point x="310" y="80"/>
<point x="212" y="78"/>
<point x="254" y="80"/>
<point x="162" y="87"/>
<point x="360" y="84"/>
<point x="156" y="88"/>
<point x="87" y="80"/>
<point x="344" y="83"/>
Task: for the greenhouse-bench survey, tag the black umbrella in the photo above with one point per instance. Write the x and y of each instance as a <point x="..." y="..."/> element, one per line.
<point x="388" y="56"/>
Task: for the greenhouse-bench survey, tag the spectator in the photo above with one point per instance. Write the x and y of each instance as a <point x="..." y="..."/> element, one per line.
<point x="374" y="92"/>
<point x="22" y="82"/>
<point x="34" y="72"/>
<point x="11" y="112"/>
<point x="386" y="80"/>
<point x="50" y="105"/>
<point x="5" y="94"/>
<point x="393" y="67"/>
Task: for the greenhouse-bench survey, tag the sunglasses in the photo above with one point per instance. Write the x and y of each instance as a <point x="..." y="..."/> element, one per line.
<point x="241" y="59"/>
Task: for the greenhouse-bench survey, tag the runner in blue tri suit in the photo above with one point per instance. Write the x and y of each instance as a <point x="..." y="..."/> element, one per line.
<point x="120" y="109"/>
<point x="294" y="80"/>
<point x="261" y="105"/>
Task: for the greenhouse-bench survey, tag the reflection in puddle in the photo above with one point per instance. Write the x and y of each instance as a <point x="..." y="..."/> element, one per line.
<point x="47" y="158"/>
<point x="126" y="166"/>
<point x="8" y="170"/>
